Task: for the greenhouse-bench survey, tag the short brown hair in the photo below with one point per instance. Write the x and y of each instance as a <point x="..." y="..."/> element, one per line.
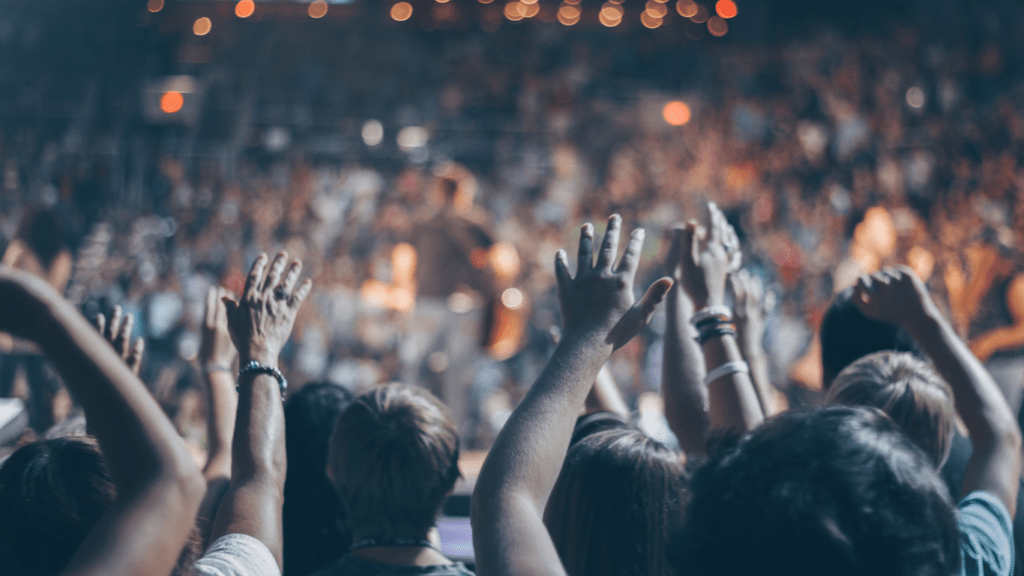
<point x="908" y="390"/>
<point x="393" y="459"/>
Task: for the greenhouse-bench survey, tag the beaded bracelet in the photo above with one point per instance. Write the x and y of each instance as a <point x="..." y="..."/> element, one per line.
<point x="257" y="368"/>
<point x="725" y="329"/>
<point x="710" y="312"/>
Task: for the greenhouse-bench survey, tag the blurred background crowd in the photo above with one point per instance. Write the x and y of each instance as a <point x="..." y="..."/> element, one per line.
<point x="425" y="161"/>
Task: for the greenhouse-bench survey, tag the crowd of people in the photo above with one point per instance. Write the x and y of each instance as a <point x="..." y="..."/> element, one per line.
<point x="824" y="374"/>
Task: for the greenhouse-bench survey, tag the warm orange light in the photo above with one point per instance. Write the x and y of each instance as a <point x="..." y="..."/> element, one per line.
<point x="686" y="8"/>
<point x="718" y="26"/>
<point x="485" y="1"/>
<point x="569" y="15"/>
<point x="514" y="11"/>
<point x="245" y="8"/>
<point x="530" y="10"/>
<point x="171" y="102"/>
<point x="655" y="9"/>
<point x="726" y="8"/>
<point x="609" y="17"/>
<point x="648" y="20"/>
<point x="202" y="26"/>
<point x="401" y="12"/>
<point x="676" y="113"/>
<point x="611" y="10"/>
<point x="572" y="2"/>
<point x="528" y="1"/>
<point x="317" y="9"/>
<point x="441" y="1"/>
<point x="155" y="5"/>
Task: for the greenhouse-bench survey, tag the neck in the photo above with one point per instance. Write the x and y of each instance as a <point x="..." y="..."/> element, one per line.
<point x="400" y="550"/>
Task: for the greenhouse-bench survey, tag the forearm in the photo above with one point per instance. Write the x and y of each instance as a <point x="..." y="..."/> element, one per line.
<point x="733" y="402"/>
<point x="760" y="374"/>
<point x="605" y="396"/>
<point x="682" y="382"/>
<point x="220" y="424"/>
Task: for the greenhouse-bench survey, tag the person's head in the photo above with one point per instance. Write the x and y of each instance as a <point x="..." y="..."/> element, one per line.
<point x="313" y="530"/>
<point x="909" y="391"/>
<point x="618" y="499"/>
<point x="41" y="230"/>
<point x="847" y="334"/>
<point x="839" y="490"/>
<point x="52" y="493"/>
<point x="393" y="460"/>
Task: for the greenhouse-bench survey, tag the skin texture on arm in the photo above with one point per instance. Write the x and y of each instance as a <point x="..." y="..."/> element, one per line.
<point x="217" y="356"/>
<point x="260" y="325"/>
<point x="682" y="381"/>
<point x="605" y="396"/>
<point x="897" y="295"/>
<point x="750" y="309"/>
<point x="599" y="315"/>
<point x="158" y="485"/>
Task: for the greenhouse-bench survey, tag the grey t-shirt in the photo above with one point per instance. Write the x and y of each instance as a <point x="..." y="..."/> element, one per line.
<point x="351" y="566"/>
<point x="986" y="536"/>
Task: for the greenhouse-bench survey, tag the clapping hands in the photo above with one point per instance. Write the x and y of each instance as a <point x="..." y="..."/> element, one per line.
<point x="702" y="258"/>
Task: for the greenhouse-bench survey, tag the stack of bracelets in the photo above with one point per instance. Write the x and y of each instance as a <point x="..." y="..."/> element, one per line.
<point x="712" y="322"/>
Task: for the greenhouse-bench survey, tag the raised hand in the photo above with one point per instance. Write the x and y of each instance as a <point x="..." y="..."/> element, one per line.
<point x="894" y="295"/>
<point x="751" y="305"/>
<point x="261" y="321"/>
<point x="707" y="257"/>
<point x="118" y="332"/>
<point x="216" y="351"/>
<point x="599" y="302"/>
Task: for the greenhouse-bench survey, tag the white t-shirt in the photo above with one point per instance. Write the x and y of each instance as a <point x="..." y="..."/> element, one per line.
<point x="237" y="555"/>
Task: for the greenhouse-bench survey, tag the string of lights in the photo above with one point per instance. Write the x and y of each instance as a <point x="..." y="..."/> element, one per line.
<point x="699" y="19"/>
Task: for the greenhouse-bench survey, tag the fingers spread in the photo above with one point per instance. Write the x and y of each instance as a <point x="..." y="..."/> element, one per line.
<point x="135" y="357"/>
<point x="100" y="322"/>
<point x="654" y="296"/>
<point x="124" y="335"/>
<point x="610" y="244"/>
<point x="631" y="257"/>
<point x="114" y="326"/>
<point x="276" y="269"/>
<point x="586" y="254"/>
<point x="252" y="282"/>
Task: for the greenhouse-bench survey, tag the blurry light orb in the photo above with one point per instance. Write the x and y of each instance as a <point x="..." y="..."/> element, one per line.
<point x="915" y="97"/>
<point x="655" y="9"/>
<point x="649" y="21"/>
<point x="317" y="9"/>
<point x="612" y="10"/>
<point x="726" y="8"/>
<point x="202" y="26"/>
<point x="528" y="2"/>
<point x="572" y="2"/>
<point x="412" y="137"/>
<point x="512" y="298"/>
<point x="569" y="15"/>
<point x="609" y="18"/>
<point x="701" y="16"/>
<point x="401" y="12"/>
<point x="676" y="113"/>
<point x="441" y="1"/>
<point x="717" y="26"/>
<point x="373" y="132"/>
<point x="612" y="1"/>
<point x="155" y="5"/>
<point x="485" y="1"/>
<point x="686" y="8"/>
<point x="171" y="102"/>
<point x="245" y="8"/>
<point x="514" y="11"/>
<point x="460" y="302"/>
<point x="529" y="10"/>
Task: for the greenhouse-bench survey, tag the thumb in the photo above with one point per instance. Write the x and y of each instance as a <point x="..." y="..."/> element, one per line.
<point x="654" y="296"/>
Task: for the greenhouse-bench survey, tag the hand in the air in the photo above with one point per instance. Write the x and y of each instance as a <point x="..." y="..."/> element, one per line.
<point x="118" y="332"/>
<point x="216" y="348"/>
<point x="893" y="295"/>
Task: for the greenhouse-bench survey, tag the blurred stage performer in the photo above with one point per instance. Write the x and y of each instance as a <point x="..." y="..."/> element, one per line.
<point x="455" y="285"/>
<point x="991" y="307"/>
<point x="38" y="248"/>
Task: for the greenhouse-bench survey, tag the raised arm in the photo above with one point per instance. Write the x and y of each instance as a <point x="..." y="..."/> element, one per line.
<point x="158" y="485"/>
<point x="682" y="380"/>
<point x="599" y="314"/>
<point x="260" y="325"/>
<point x="749" y="309"/>
<point x="118" y="332"/>
<point x="217" y="358"/>
<point x="898" y="296"/>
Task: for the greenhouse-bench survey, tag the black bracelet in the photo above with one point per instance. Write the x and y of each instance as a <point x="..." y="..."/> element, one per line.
<point x="722" y="330"/>
<point x="254" y="367"/>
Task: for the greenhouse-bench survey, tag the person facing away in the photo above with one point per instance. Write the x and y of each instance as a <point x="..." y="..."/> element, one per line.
<point x="393" y="460"/>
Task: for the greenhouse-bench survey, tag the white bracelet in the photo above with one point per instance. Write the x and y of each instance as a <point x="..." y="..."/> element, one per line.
<point x="710" y="312"/>
<point x="726" y="369"/>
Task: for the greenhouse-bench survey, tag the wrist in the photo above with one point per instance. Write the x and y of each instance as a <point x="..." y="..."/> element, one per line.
<point x="262" y="355"/>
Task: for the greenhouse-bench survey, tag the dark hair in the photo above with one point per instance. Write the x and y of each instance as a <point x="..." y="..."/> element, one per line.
<point x="618" y="499"/>
<point x="52" y="493"/>
<point x="393" y="459"/>
<point x="41" y="231"/>
<point x="839" y="491"/>
<point x="847" y="334"/>
<point x="314" y="532"/>
<point x="909" y="391"/>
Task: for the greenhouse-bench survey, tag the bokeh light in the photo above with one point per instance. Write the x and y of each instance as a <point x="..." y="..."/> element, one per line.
<point x="373" y="132"/>
<point x="530" y="10"/>
<point x="513" y="298"/>
<point x="726" y="8"/>
<point x="701" y="16"/>
<point x="569" y="15"/>
<point x="202" y="26"/>
<point x="655" y="9"/>
<point x="155" y="5"/>
<point x="686" y="8"/>
<point x="245" y="8"/>
<point x="676" y="113"/>
<point x="649" y="21"/>
<point x="717" y="26"/>
<point x="915" y="97"/>
<point x="514" y="11"/>
<point x="317" y="9"/>
<point x="171" y="102"/>
<point x="610" y="15"/>
<point x="401" y="11"/>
